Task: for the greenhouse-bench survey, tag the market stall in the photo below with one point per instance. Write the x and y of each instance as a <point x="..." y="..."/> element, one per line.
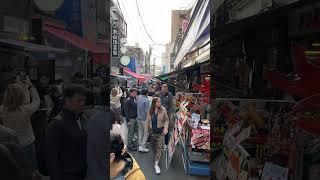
<point x="192" y="132"/>
<point x="254" y="139"/>
<point x="308" y="125"/>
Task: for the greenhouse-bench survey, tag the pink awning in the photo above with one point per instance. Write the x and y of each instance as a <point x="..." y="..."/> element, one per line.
<point x="135" y="75"/>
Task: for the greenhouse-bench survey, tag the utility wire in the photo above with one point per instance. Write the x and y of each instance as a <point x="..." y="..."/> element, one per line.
<point x="129" y="19"/>
<point x="145" y="26"/>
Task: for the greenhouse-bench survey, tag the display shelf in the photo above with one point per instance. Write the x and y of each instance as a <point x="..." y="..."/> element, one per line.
<point x="193" y="167"/>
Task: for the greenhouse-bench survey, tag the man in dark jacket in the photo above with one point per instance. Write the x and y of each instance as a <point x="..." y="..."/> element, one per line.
<point x="98" y="130"/>
<point x="131" y="116"/>
<point x="67" y="138"/>
<point x="167" y="101"/>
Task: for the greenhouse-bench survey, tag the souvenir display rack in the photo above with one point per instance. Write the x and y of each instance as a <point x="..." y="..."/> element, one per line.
<point x="192" y="130"/>
<point x="307" y="122"/>
<point x="253" y="137"/>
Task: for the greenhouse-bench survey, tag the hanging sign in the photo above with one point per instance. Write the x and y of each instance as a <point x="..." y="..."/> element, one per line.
<point x="115" y="39"/>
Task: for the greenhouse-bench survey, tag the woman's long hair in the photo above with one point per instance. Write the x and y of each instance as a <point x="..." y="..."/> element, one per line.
<point x="153" y="106"/>
<point x="13" y="97"/>
<point x="114" y="92"/>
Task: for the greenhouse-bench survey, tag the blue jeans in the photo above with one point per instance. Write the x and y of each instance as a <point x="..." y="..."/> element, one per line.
<point x="30" y="154"/>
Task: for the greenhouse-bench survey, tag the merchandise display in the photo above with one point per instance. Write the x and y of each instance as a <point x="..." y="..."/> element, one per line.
<point x="252" y="138"/>
<point x="307" y="121"/>
<point x="192" y="129"/>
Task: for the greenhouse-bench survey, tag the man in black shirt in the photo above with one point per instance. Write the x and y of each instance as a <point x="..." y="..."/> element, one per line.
<point x="67" y="138"/>
<point x="131" y="116"/>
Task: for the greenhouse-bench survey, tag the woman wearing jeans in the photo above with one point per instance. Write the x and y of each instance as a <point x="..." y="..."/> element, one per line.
<point x="17" y="116"/>
<point x="157" y="122"/>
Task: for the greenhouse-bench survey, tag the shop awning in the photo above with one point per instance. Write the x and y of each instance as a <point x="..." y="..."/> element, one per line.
<point x="135" y="75"/>
<point x="147" y="77"/>
<point x="258" y="21"/>
<point x="119" y="76"/>
<point x="180" y="71"/>
<point x="31" y="47"/>
<point x="197" y="33"/>
<point x="75" y="40"/>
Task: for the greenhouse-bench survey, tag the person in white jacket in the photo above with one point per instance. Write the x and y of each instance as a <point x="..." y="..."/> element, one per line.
<point x="115" y="96"/>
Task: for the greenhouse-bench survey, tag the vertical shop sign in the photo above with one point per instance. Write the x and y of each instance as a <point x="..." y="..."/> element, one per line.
<point x="115" y="39"/>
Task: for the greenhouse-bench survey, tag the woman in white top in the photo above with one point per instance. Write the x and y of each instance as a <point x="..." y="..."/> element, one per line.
<point x="16" y="115"/>
<point x="116" y="94"/>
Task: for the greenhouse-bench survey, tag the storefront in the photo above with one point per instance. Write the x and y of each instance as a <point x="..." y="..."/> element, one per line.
<point x="264" y="64"/>
<point x="85" y="56"/>
<point x="191" y="122"/>
<point x="19" y="54"/>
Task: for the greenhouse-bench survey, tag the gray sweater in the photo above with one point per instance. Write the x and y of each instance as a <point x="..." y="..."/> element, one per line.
<point x="143" y="106"/>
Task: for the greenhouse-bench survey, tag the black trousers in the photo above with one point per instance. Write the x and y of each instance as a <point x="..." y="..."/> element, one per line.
<point x="167" y="137"/>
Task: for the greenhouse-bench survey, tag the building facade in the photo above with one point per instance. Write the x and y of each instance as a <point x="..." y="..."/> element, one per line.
<point x="136" y="53"/>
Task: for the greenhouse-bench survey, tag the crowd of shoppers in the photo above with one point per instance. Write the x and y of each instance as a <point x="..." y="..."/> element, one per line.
<point x="57" y="133"/>
<point x="149" y="109"/>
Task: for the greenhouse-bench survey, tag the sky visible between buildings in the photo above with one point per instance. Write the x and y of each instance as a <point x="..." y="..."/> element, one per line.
<point x="156" y="16"/>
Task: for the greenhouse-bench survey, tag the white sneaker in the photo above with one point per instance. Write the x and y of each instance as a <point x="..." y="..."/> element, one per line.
<point x="157" y="168"/>
<point x="141" y="149"/>
<point x="145" y="150"/>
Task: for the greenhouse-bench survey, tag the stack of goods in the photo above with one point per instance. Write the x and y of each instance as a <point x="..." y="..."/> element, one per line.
<point x="195" y="134"/>
<point x="266" y="135"/>
<point x="308" y="121"/>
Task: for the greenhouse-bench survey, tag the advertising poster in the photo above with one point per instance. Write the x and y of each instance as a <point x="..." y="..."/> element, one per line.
<point x="70" y="13"/>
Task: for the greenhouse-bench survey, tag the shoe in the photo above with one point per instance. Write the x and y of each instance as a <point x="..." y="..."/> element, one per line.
<point x="157" y="168"/>
<point x="145" y="150"/>
<point x="141" y="149"/>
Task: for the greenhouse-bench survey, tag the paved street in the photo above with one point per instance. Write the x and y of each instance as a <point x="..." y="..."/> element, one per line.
<point x="175" y="171"/>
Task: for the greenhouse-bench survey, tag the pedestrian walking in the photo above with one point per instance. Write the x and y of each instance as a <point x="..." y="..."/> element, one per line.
<point x="67" y="138"/>
<point x="157" y="124"/>
<point x="17" y="116"/>
<point x="167" y="102"/>
<point x="116" y="94"/>
<point x="143" y="106"/>
<point x="131" y="116"/>
<point x="122" y="164"/>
